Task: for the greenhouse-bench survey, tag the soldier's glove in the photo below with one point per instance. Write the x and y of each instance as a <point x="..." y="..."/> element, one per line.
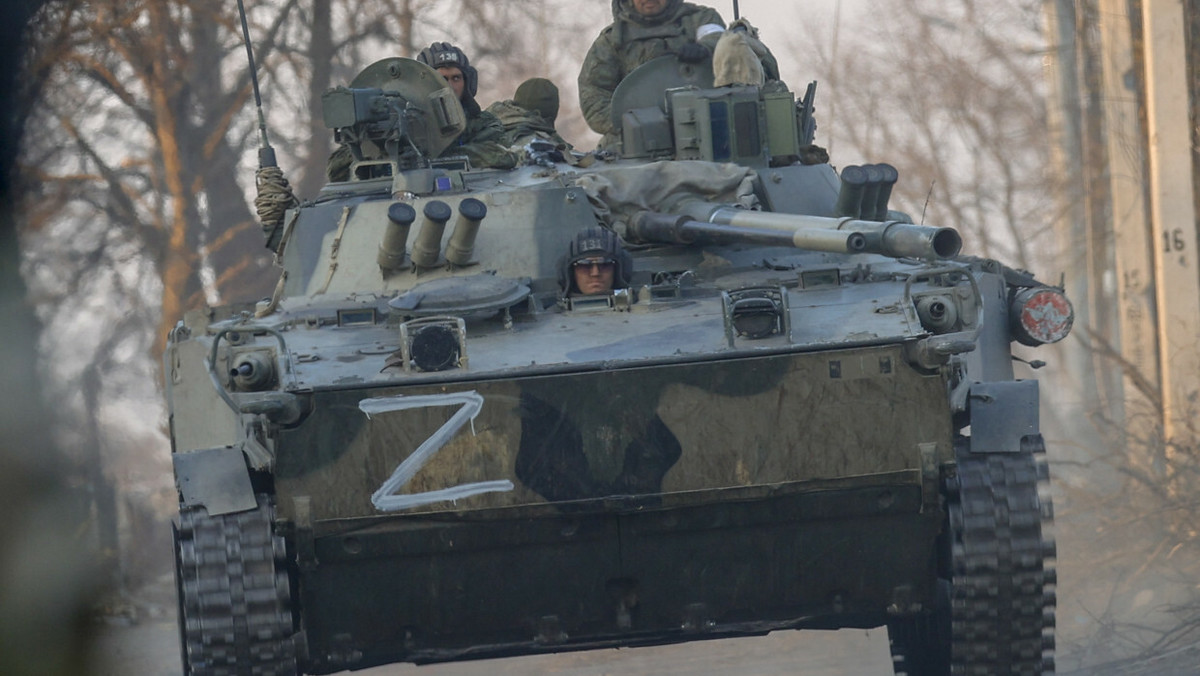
<point x="543" y="153"/>
<point x="743" y="26"/>
<point x="692" y="52"/>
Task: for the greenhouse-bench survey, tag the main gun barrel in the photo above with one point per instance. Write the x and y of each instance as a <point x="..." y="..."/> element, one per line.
<point x="887" y="238"/>
<point x="679" y="229"/>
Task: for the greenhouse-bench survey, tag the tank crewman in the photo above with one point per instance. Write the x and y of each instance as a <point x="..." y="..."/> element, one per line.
<point x="481" y="141"/>
<point x="596" y="263"/>
<point x="643" y="30"/>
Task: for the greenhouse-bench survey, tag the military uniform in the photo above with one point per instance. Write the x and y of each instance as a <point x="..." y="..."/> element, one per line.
<point x="483" y="139"/>
<point x="530" y="114"/>
<point x="482" y="142"/>
<point x="630" y="41"/>
<point x="522" y="125"/>
<point x="528" y="118"/>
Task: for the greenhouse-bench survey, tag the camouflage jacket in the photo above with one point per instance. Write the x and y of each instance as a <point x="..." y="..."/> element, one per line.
<point x="482" y="142"/>
<point x="483" y="139"/>
<point x="522" y="125"/>
<point x="627" y="43"/>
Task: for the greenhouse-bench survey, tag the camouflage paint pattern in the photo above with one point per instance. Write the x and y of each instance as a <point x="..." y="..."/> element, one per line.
<point x="678" y="433"/>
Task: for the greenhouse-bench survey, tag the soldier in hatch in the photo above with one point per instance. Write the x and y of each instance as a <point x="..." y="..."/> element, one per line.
<point x="596" y="263"/>
<point x="643" y="30"/>
<point x="481" y="141"/>
<point x="530" y="114"/>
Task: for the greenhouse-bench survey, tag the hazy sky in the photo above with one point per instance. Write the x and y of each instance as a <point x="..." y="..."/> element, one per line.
<point x="783" y="24"/>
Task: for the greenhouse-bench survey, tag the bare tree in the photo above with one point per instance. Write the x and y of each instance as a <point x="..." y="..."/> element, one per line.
<point x="139" y="171"/>
<point x="954" y="93"/>
<point x="950" y="92"/>
<point x="150" y="103"/>
<point x="46" y="579"/>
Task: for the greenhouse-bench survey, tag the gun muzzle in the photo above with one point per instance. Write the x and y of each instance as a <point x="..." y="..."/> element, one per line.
<point x="905" y="240"/>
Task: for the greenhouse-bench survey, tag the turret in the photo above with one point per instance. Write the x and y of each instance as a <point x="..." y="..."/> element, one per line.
<point x="748" y="125"/>
<point x="397" y="114"/>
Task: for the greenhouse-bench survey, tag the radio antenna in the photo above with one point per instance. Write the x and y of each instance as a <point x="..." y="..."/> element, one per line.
<point x="735" y="10"/>
<point x="266" y="154"/>
<point x="275" y="196"/>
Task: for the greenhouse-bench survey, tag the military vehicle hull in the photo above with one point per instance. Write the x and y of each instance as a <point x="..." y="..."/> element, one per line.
<point x="797" y="410"/>
<point x="655" y="504"/>
<point x="614" y="502"/>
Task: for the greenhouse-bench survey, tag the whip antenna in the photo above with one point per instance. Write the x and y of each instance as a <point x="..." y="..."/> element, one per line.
<point x="266" y="154"/>
<point x="735" y="10"/>
<point x="275" y="196"/>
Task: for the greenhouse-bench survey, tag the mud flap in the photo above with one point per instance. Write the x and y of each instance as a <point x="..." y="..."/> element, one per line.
<point x="215" y="478"/>
<point x="1002" y="414"/>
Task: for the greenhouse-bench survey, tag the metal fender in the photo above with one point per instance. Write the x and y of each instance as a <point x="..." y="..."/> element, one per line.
<point x="1002" y="414"/>
<point x="215" y="478"/>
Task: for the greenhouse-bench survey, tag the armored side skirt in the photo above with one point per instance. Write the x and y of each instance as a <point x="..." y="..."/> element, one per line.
<point x="447" y="588"/>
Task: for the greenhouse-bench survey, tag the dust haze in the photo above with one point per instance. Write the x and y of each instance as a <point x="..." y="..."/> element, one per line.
<point x="91" y="473"/>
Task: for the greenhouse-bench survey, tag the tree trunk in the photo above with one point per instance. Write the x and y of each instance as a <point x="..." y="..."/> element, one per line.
<point x="182" y="289"/>
<point x="408" y="48"/>
<point x="236" y="247"/>
<point x="321" y="56"/>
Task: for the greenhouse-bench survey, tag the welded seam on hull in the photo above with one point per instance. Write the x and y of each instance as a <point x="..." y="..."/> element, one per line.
<point x="385" y="499"/>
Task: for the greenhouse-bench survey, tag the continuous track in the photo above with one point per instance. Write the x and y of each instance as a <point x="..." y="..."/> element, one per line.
<point x="234" y="594"/>
<point x="997" y="614"/>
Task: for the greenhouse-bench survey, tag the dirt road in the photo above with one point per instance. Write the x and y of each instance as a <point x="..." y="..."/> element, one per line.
<point x="151" y="648"/>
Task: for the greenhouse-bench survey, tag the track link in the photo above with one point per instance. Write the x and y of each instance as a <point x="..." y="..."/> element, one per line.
<point x="994" y="611"/>
<point x="234" y="594"/>
<point x="1002" y="594"/>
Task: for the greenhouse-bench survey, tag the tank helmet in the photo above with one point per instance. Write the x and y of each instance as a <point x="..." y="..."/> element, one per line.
<point x="592" y="242"/>
<point x="540" y="95"/>
<point x="446" y="55"/>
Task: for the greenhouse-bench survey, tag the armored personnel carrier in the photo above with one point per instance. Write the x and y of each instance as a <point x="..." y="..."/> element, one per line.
<point x="795" y="408"/>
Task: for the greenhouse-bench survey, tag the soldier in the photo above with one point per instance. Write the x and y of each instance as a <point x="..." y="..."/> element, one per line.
<point x="596" y="263"/>
<point x="481" y="141"/>
<point x="643" y="30"/>
<point x="530" y="115"/>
